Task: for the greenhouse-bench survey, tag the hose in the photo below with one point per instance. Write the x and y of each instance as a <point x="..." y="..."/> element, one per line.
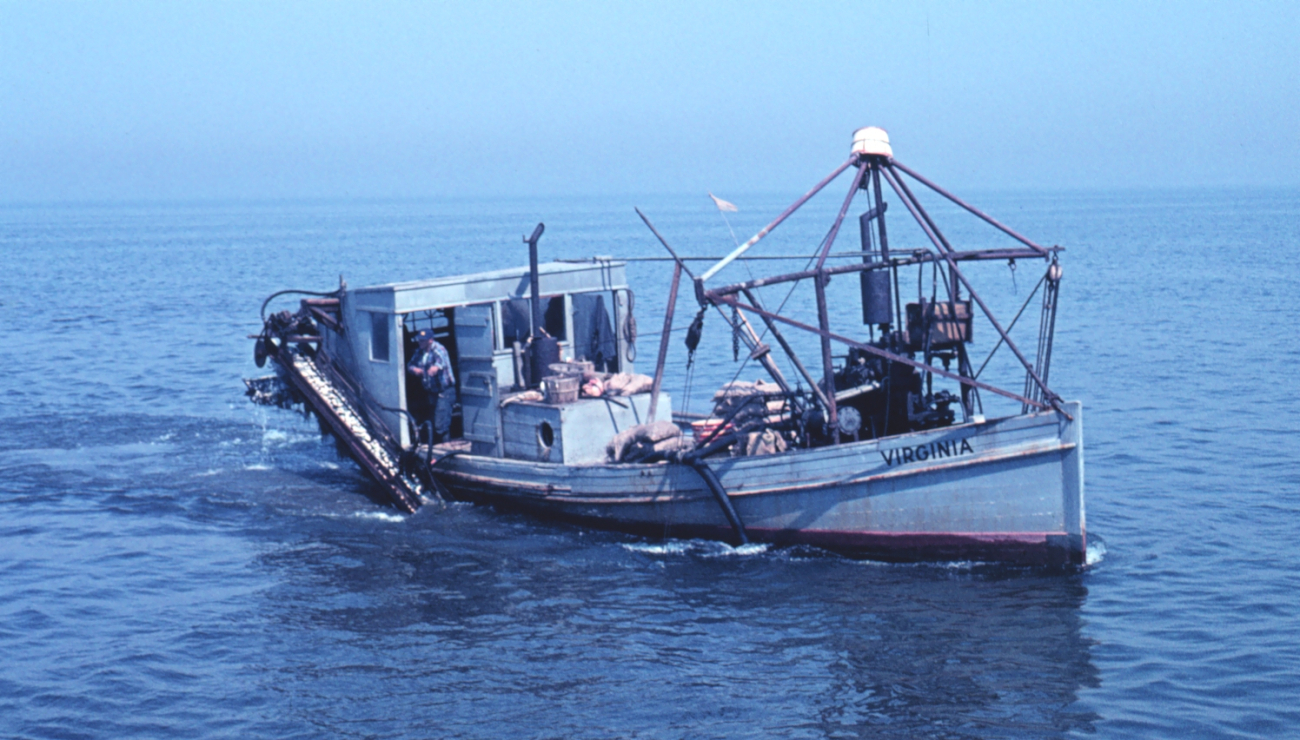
<point x="720" y="495"/>
<point x="277" y="294"/>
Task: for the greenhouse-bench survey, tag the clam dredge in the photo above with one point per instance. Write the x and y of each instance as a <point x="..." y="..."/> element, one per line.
<point x="859" y="448"/>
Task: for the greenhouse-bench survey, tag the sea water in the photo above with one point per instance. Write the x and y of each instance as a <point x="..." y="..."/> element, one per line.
<point x="176" y="562"/>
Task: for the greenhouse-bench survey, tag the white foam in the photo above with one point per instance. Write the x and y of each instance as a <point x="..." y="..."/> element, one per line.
<point x="382" y="516"/>
<point x="1095" y="553"/>
<point x="726" y="551"/>
<point x="281" y="438"/>
<point x="274" y="435"/>
<point x="657" y="548"/>
<point x="705" y="548"/>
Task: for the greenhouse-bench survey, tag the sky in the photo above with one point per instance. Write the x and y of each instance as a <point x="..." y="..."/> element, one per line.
<point x="110" y="101"/>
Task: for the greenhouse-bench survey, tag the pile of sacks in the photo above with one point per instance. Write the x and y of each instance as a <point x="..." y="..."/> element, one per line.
<point x="740" y="394"/>
<point x="764" y="442"/>
<point x="595" y="385"/>
<point x="664" y="440"/>
<point x="753" y="415"/>
<point x="647" y="442"/>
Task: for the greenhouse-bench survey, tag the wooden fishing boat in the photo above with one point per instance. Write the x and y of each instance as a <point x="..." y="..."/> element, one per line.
<point x="869" y="458"/>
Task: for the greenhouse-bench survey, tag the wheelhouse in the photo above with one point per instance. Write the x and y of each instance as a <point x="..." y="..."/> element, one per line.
<point x="484" y="321"/>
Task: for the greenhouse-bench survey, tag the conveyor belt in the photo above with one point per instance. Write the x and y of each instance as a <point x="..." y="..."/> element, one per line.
<point x="335" y="407"/>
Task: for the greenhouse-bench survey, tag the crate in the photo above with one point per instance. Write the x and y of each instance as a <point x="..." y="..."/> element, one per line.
<point x="947" y="328"/>
<point x="561" y="389"/>
<point x="572" y="367"/>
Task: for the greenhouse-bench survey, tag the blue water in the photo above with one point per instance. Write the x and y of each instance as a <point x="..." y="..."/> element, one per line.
<point x="175" y="562"/>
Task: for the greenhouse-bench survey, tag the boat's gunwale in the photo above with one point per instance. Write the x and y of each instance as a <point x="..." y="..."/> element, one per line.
<point x="845" y="449"/>
<point x="471" y="468"/>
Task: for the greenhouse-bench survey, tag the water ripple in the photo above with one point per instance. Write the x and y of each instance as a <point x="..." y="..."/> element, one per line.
<point x="177" y="563"/>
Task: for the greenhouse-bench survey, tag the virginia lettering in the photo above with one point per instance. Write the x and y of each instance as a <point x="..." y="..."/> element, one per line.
<point x="950" y="448"/>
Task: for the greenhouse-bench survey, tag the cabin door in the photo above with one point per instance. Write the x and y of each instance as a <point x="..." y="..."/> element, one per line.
<point x="478" y="378"/>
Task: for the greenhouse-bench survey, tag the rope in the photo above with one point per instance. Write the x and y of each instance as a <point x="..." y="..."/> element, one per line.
<point x="735" y="334"/>
<point x="629" y="327"/>
<point x="686" y="390"/>
<point x="998" y="346"/>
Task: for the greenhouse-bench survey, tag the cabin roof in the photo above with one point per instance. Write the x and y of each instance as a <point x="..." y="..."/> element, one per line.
<point x="495" y="285"/>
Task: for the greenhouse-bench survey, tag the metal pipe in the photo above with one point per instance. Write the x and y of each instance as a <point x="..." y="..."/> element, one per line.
<point x="679" y="260"/>
<point x="789" y="352"/>
<point x="954" y="292"/>
<point x="919" y="257"/>
<point x="936" y="238"/>
<point x="749" y="336"/>
<point x="759" y="351"/>
<point x="715" y="258"/>
<point x="1047" y="321"/>
<point x="948" y="257"/>
<point x="1012" y="325"/>
<point x="823" y="317"/>
<point x="869" y="283"/>
<point x="795" y="277"/>
<point x="823" y="320"/>
<point x="998" y="254"/>
<point x="957" y="274"/>
<point x="534" y="280"/>
<point x="985" y="217"/>
<point x="971" y="254"/>
<point x="777" y="222"/>
<point x="898" y="298"/>
<point x="663" y="342"/>
<point x="906" y="192"/>
<point x="911" y="208"/>
<point x="1047" y="393"/>
<point x="880" y="222"/>
<point x="839" y="219"/>
<point x="877" y="351"/>
<point x="726" y="421"/>
<point x="1051" y="331"/>
<point x="864" y="232"/>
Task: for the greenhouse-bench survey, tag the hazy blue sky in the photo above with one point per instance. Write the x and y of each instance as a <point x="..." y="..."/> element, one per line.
<point x="130" y="100"/>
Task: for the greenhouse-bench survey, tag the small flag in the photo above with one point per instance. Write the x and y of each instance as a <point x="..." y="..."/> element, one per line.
<point x="723" y="205"/>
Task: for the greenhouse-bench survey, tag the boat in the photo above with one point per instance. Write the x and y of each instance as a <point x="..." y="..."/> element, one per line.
<point x="864" y="452"/>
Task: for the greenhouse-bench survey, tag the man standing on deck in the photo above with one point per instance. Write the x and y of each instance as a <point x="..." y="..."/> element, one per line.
<point x="432" y="365"/>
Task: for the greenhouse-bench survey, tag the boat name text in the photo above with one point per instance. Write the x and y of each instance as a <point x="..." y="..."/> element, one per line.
<point x="919" y="453"/>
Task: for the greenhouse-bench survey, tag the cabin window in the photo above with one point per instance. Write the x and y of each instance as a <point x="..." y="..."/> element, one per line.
<point x="514" y="322"/>
<point x="553" y="317"/>
<point x="593" y="330"/>
<point x="517" y="319"/>
<point x="379" y="337"/>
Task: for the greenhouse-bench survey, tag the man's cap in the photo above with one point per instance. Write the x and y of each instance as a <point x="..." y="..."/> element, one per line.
<point x="424" y="334"/>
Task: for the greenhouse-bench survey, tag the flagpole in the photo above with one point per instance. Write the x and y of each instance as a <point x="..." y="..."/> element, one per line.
<point x="766" y="229"/>
<point x="723" y="207"/>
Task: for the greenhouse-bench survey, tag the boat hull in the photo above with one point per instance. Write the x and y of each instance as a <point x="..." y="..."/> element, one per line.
<point x="1009" y="490"/>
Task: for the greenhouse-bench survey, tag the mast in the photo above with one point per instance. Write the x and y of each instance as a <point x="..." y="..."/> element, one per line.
<point x="898" y="399"/>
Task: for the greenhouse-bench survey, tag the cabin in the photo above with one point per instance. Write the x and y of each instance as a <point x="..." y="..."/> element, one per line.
<point x="485" y="320"/>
